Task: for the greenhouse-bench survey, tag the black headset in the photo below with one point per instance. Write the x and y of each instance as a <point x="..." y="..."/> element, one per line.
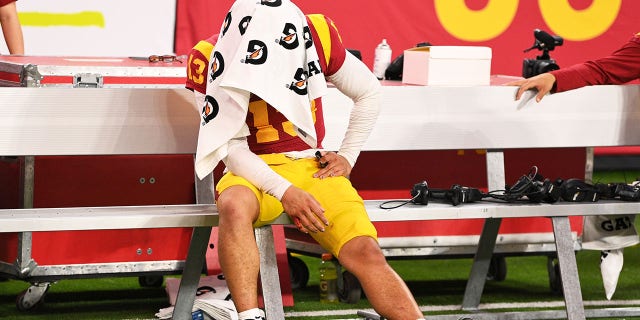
<point x="457" y="194"/>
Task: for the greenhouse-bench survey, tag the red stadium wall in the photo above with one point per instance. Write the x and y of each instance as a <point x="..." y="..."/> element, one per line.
<point x="590" y="28"/>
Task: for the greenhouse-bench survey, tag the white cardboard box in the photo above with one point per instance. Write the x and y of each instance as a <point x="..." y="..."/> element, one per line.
<point x="447" y="66"/>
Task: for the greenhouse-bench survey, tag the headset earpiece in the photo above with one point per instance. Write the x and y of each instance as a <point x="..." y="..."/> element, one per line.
<point x="536" y="192"/>
<point x="606" y="190"/>
<point x="627" y="192"/>
<point x="420" y="193"/>
<point x="552" y="190"/>
<point x="576" y="190"/>
<point x="456" y="195"/>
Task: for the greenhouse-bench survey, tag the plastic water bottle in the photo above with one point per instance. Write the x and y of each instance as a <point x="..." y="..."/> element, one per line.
<point x="381" y="59"/>
<point x="328" y="279"/>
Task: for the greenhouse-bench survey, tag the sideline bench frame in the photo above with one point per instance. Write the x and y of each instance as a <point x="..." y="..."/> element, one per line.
<point x="122" y="121"/>
<point x="162" y="121"/>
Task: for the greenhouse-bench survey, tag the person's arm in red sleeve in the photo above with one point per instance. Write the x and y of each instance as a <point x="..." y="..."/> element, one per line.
<point x="620" y="67"/>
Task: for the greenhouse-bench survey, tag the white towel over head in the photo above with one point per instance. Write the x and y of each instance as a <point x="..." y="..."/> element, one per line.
<point x="265" y="48"/>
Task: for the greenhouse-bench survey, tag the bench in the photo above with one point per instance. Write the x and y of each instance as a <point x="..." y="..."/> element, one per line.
<point x="445" y="118"/>
<point x="50" y="121"/>
<point x="119" y="122"/>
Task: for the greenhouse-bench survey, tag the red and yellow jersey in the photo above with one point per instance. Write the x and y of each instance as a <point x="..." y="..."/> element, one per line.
<point x="198" y="64"/>
<point x="270" y="131"/>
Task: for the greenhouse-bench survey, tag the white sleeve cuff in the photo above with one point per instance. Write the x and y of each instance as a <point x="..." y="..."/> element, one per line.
<point x="244" y="163"/>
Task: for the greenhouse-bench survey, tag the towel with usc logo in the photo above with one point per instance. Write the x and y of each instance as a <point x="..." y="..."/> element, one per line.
<point x="265" y="48"/>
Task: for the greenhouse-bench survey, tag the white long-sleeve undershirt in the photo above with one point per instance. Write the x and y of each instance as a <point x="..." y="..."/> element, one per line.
<point x="355" y="81"/>
<point x="358" y="83"/>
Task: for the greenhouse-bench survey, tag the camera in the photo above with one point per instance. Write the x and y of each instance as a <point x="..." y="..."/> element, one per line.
<point x="542" y="63"/>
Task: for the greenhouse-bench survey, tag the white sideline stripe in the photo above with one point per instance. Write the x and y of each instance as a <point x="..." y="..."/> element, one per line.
<point x="456" y="307"/>
<point x="482" y="306"/>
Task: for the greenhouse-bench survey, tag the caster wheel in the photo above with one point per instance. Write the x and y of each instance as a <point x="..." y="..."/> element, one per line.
<point x="497" y="269"/>
<point x="151" y="281"/>
<point x="555" y="281"/>
<point x="351" y="289"/>
<point x="32" y="297"/>
<point x="298" y="272"/>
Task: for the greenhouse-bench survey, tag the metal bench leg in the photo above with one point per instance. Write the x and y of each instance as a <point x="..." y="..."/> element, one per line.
<point x="270" y="280"/>
<point x="481" y="262"/>
<point x="191" y="273"/>
<point x="568" y="268"/>
<point x="488" y="237"/>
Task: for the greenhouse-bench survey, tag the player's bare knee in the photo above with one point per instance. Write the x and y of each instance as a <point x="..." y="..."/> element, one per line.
<point x="361" y="251"/>
<point x="237" y="203"/>
<point x="373" y="255"/>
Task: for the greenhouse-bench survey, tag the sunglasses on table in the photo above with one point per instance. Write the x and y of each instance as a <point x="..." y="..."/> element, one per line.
<point x="159" y="58"/>
<point x="164" y="58"/>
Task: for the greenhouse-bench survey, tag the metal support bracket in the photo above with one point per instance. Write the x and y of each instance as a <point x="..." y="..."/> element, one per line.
<point x="87" y="80"/>
<point x="30" y="76"/>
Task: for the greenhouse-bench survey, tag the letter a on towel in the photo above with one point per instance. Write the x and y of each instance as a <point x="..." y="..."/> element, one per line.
<point x="264" y="48"/>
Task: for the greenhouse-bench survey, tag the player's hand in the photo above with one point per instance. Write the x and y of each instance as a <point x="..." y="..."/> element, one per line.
<point x="336" y="165"/>
<point x="304" y="210"/>
<point x="543" y="83"/>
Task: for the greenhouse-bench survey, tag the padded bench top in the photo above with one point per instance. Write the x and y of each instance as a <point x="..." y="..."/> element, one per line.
<point x="495" y="209"/>
<point x="140" y="217"/>
<point x="102" y="218"/>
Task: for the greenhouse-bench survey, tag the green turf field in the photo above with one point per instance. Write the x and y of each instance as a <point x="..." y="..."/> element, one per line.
<point x="436" y="283"/>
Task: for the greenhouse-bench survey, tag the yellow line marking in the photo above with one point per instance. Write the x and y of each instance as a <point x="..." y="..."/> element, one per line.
<point x="47" y="19"/>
